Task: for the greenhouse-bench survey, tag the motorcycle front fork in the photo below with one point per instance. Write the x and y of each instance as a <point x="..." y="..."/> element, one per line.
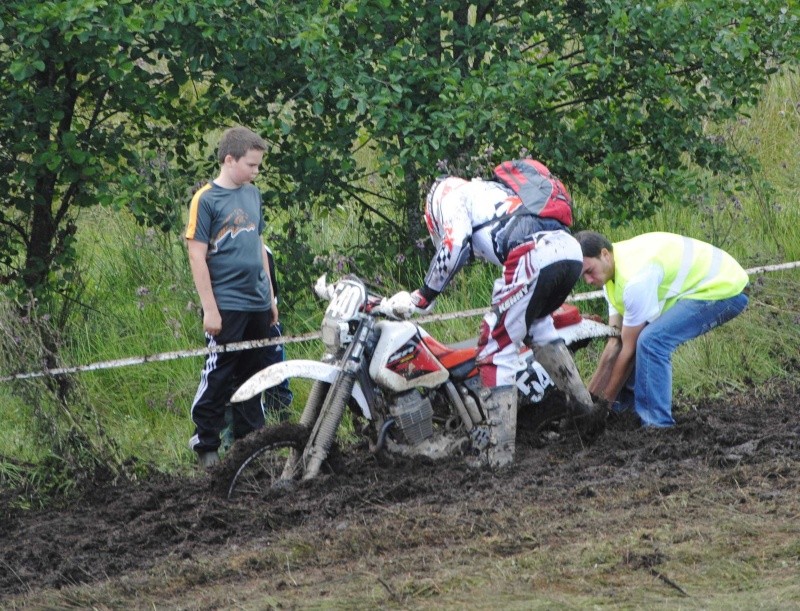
<point x="310" y="412"/>
<point x="332" y="411"/>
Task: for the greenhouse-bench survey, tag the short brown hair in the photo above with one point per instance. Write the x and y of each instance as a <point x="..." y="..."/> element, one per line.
<point x="592" y="243"/>
<point x="236" y="141"/>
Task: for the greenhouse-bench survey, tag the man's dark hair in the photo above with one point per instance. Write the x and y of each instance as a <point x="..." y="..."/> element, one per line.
<point x="236" y="141"/>
<point x="592" y="243"/>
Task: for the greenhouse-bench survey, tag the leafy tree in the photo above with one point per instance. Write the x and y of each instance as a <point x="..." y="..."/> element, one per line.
<point x="614" y="97"/>
<point x="86" y="82"/>
<point x="109" y="102"/>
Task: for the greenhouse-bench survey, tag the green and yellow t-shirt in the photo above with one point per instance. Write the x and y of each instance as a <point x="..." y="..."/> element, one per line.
<point x="231" y="223"/>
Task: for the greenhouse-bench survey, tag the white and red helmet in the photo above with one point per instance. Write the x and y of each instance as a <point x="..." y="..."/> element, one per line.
<point x="434" y="217"/>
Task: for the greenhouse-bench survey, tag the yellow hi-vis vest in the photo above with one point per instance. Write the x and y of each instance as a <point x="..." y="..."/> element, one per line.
<point x="692" y="269"/>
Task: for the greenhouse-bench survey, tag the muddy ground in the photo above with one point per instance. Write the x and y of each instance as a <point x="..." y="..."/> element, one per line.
<point x="569" y="522"/>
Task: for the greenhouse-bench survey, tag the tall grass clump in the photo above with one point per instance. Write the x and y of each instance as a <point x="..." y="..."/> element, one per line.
<point x="135" y="299"/>
<point x="53" y="439"/>
<point x="139" y="301"/>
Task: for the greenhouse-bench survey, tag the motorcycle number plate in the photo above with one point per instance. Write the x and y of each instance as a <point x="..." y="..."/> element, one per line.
<point x="347" y="299"/>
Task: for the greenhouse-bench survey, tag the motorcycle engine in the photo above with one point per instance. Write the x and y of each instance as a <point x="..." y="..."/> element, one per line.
<point x="413" y="416"/>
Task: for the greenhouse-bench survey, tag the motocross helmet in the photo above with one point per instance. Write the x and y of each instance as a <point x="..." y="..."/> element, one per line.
<point x="434" y="218"/>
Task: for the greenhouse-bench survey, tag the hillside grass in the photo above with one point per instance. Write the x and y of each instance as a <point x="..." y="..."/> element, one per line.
<point x="138" y="299"/>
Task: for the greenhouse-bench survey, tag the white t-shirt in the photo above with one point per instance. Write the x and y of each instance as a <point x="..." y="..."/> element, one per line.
<point x="640" y="297"/>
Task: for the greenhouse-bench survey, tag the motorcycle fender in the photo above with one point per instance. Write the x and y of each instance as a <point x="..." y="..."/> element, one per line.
<point x="299" y="368"/>
<point x="586" y="329"/>
<point x="402" y="361"/>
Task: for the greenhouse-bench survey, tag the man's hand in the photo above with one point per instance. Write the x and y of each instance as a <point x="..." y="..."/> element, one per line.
<point x="601" y="402"/>
<point x="592" y="425"/>
<point x="404" y="304"/>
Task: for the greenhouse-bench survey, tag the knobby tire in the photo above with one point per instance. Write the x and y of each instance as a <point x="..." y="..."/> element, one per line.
<point x="258" y="472"/>
<point x="538" y="416"/>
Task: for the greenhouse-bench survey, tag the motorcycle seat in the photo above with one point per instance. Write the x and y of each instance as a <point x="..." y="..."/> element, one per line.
<point x="458" y="359"/>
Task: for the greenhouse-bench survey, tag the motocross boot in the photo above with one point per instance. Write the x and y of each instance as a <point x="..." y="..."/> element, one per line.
<point x="495" y="437"/>
<point x="557" y="360"/>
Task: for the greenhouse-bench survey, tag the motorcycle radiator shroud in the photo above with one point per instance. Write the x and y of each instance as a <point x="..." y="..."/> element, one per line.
<point x="403" y="360"/>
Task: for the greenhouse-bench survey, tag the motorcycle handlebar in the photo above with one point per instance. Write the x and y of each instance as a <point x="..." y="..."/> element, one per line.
<point x="381" y="307"/>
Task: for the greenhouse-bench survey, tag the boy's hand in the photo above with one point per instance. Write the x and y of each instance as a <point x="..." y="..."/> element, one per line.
<point x="275" y="320"/>
<point x="212" y="322"/>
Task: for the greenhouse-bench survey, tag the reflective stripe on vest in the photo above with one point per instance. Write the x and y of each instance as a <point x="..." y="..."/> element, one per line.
<point x="692" y="269"/>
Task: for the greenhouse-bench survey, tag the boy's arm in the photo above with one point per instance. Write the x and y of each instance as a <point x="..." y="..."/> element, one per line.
<point x="212" y="321"/>
<point x="265" y="258"/>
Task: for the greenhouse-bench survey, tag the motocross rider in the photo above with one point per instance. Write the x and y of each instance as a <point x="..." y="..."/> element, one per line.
<point x="541" y="263"/>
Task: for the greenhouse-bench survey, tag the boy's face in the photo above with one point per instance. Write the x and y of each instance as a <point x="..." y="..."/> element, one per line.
<point x="245" y="169"/>
<point x="598" y="270"/>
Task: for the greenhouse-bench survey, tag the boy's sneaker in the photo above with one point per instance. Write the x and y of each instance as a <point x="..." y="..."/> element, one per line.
<point x="206" y="460"/>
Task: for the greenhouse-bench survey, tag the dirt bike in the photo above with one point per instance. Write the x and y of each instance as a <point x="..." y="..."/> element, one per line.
<point x="414" y="395"/>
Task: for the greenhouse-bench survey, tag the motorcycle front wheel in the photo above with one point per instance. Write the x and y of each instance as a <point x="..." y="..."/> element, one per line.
<point x="259" y="467"/>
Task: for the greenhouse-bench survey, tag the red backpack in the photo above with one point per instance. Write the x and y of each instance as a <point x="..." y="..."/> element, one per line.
<point x="541" y="193"/>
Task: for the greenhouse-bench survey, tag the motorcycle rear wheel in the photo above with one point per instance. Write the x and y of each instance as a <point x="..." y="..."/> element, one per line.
<point x="259" y="474"/>
<point x="553" y="414"/>
<point x="549" y="413"/>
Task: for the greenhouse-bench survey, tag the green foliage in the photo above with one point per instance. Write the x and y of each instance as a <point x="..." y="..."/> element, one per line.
<point x="108" y="103"/>
<point x="140" y="300"/>
<point x="101" y="108"/>
<point x="608" y="94"/>
<point x="64" y="439"/>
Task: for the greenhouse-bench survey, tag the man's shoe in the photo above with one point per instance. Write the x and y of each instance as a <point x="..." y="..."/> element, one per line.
<point x="206" y="460"/>
<point x="226" y="439"/>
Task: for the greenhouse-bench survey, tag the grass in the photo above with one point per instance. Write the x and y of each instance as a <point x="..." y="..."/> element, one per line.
<point x="138" y="299"/>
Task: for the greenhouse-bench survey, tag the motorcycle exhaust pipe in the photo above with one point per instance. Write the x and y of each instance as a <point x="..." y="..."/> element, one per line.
<point x="463" y="410"/>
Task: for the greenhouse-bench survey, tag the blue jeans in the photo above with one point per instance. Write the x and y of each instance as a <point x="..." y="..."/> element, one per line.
<point x="687" y="319"/>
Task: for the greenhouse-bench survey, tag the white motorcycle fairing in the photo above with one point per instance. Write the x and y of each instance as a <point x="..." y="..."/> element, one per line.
<point x="298" y="368"/>
<point x="402" y="361"/>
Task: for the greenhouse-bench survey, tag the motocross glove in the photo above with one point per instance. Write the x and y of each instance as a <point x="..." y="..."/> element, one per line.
<point x="404" y="304"/>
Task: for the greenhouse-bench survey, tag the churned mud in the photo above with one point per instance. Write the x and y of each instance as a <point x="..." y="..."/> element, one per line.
<point x="747" y="442"/>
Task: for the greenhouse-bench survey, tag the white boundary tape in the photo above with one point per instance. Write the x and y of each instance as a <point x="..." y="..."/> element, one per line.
<point x="169" y="356"/>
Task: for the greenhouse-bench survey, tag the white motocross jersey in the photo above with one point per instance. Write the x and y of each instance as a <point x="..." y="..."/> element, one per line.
<point x="469" y="216"/>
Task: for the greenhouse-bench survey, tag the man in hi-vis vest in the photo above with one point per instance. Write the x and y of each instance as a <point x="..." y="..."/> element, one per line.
<point x="662" y="290"/>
